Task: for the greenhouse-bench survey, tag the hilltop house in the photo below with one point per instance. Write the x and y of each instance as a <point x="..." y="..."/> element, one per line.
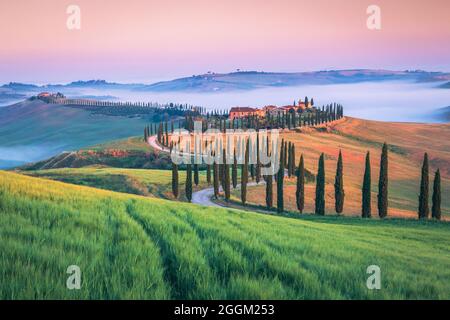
<point x="48" y="97"/>
<point x="242" y="112"/>
<point x="43" y="95"/>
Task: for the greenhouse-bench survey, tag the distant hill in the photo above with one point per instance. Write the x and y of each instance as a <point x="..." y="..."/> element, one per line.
<point x="213" y="82"/>
<point x="19" y="86"/>
<point x="33" y="130"/>
<point x="244" y="80"/>
<point x="445" y="85"/>
<point x="443" y="114"/>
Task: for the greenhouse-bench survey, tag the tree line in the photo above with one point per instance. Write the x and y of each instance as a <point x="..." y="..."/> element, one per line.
<point x="219" y="176"/>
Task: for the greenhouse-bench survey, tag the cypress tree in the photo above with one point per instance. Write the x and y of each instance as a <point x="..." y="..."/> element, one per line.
<point x="300" y="191"/>
<point x="424" y="209"/>
<point x="226" y="176"/>
<point x="189" y="182"/>
<point x="366" y="193"/>
<point x="244" y="176"/>
<point x="216" y="179"/>
<point x="196" y="180"/>
<point x="292" y="157"/>
<point x="208" y="174"/>
<point x="285" y="155"/>
<point x="339" y="193"/>
<point x="258" y="161"/>
<point x="383" y="183"/>
<point x="234" y="170"/>
<point x="280" y="180"/>
<point x="320" y="187"/>
<point x="269" y="191"/>
<point x="175" y="179"/>
<point x="436" y="208"/>
<point x="289" y="160"/>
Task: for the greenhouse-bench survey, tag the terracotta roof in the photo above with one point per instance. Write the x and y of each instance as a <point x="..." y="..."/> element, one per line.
<point x="288" y="107"/>
<point x="242" y="109"/>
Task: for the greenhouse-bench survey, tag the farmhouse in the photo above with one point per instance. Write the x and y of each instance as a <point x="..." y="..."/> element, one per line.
<point x="43" y="95"/>
<point x="242" y="112"/>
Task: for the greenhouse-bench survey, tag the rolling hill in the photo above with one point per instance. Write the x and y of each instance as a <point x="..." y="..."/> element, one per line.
<point x="33" y="130"/>
<point x="240" y="80"/>
<point x="407" y="144"/>
<point x="131" y="152"/>
<point x="131" y="247"/>
<point x="249" y="80"/>
<point x="443" y="114"/>
<point x="154" y="183"/>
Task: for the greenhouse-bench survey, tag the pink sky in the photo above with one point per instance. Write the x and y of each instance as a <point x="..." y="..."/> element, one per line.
<point x="137" y="40"/>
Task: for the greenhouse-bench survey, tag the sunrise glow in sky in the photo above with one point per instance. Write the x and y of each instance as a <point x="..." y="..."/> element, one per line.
<point x="148" y="40"/>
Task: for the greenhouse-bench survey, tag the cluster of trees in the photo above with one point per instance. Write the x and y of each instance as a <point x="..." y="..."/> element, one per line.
<point x="155" y="111"/>
<point x="277" y="120"/>
<point x="287" y="168"/>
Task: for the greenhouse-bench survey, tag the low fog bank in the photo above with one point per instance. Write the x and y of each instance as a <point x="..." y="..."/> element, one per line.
<point x="15" y="156"/>
<point x="386" y="100"/>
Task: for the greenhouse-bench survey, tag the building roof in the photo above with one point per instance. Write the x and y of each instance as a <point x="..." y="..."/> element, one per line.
<point x="242" y="109"/>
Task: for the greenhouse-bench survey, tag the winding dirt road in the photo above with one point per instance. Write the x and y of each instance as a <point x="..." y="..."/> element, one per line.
<point x="204" y="196"/>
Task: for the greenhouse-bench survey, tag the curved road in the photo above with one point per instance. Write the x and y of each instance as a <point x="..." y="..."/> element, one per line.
<point x="204" y="196"/>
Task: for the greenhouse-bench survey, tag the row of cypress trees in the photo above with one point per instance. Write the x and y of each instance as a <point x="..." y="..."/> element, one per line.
<point x="221" y="177"/>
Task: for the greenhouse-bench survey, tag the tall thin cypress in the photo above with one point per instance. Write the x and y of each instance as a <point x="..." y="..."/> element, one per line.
<point x="280" y="180"/>
<point x="244" y="176"/>
<point x="424" y="209"/>
<point x="289" y="160"/>
<point x="189" y="182"/>
<point x="226" y="176"/>
<point x="258" y="161"/>
<point x="196" y="178"/>
<point x="383" y="183"/>
<point x="269" y="191"/>
<point x="293" y="159"/>
<point x="208" y="174"/>
<point x="339" y="193"/>
<point x="234" y="170"/>
<point x="366" y="190"/>
<point x="175" y="179"/>
<point x="300" y="191"/>
<point x="436" y="208"/>
<point x="216" y="179"/>
<point x="320" y="187"/>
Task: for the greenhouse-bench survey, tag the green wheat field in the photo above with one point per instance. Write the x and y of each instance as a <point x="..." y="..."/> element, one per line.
<point x="134" y="247"/>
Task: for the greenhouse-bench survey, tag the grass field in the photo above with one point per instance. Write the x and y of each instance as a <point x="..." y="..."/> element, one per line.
<point x="157" y="183"/>
<point x="130" y="246"/>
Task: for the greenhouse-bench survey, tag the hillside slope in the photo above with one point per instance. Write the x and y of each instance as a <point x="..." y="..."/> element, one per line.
<point x="249" y="80"/>
<point x="407" y="144"/>
<point x="132" y="152"/>
<point x="33" y="130"/>
<point x="155" y="183"/>
<point x="133" y="247"/>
